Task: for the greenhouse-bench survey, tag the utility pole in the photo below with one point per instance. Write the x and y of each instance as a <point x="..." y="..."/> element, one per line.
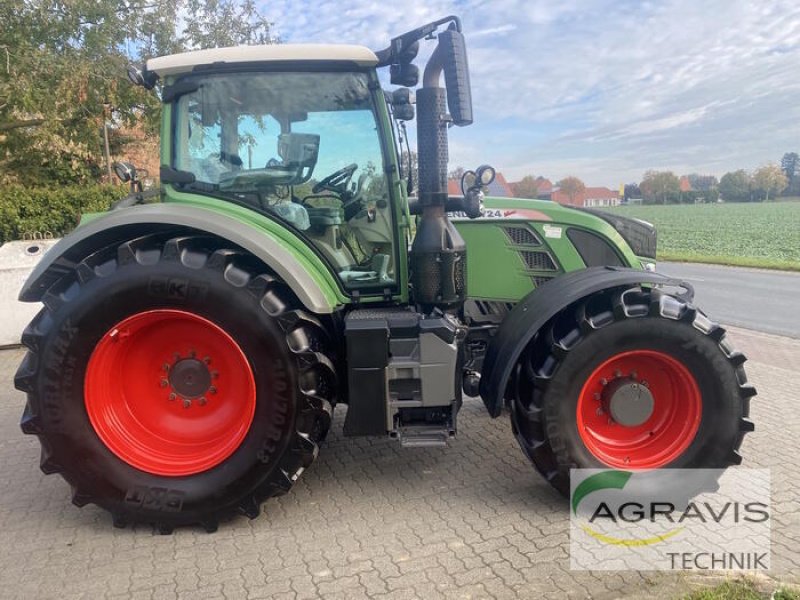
<point x="105" y="140"/>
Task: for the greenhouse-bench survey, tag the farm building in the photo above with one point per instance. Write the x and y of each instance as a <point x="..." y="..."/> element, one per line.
<point x="590" y="197"/>
<point x="498" y="188"/>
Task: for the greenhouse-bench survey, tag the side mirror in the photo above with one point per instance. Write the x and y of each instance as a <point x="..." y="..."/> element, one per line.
<point x="404" y="112"/>
<point x="401" y="96"/>
<point x="456" y="76"/>
<point x="408" y="53"/>
<point x="139" y="77"/>
<point x="402" y="107"/>
<point x="405" y="74"/>
<point x="125" y="171"/>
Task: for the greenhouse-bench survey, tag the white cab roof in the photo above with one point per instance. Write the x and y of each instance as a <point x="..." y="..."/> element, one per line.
<point x="185" y="62"/>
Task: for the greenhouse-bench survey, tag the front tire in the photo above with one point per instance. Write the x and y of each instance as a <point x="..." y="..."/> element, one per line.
<point x="630" y="379"/>
<point x="175" y="382"/>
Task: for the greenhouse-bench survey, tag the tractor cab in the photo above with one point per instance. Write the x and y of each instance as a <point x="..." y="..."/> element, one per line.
<point x="296" y="134"/>
<point x="303" y="135"/>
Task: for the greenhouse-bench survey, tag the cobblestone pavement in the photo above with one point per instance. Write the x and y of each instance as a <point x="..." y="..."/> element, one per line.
<point x="370" y="519"/>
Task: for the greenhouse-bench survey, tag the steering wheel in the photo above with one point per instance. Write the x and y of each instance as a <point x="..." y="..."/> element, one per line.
<point x="337" y="181"/>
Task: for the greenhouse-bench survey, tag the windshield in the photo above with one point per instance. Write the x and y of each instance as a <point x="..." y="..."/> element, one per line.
<point x="302" y="147"/>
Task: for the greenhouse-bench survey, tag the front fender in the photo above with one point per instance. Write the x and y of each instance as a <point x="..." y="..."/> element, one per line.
<point x="537" y="308"/>
<point x="303" y="272"/>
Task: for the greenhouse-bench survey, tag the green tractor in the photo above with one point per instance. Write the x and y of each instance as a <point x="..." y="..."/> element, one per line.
<point x="192" y="345"/>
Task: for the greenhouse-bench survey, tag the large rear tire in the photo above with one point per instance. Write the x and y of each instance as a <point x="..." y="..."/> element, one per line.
<point x="175" y="382"/>
<point x="630" y="379"/>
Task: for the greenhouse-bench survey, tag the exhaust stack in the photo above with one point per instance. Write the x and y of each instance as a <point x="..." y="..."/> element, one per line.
<point x="438" y="254"/>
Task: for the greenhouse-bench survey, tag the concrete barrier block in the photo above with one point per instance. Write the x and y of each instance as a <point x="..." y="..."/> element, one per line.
<point x="17" y="260"/>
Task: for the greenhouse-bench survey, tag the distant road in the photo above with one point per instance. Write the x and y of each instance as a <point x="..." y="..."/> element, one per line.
<point x="758" y="299"/>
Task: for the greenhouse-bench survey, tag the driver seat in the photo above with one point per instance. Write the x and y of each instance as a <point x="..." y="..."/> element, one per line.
<point x="325" y="216"/>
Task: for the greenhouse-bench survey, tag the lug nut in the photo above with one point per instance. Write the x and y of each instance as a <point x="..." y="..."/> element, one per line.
<point x="604" y="382"/>
<point x="207" y="360"/>
<point x="599" y="411"/>
<point x="165" y="367"/>
<point x="186" y="403"/>
<point x="164" y="383"/>
<point x="617" y="373"/>
<point x="172" y="396"/>
<point x="212" y="390"/>
<point x="214" y="374"/>
<point x="597" y="396"/>
<point x="192" y="353"/>
<point x="202" y="401"/>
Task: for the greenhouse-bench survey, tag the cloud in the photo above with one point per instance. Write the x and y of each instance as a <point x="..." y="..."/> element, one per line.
<point x="604" y="89"/>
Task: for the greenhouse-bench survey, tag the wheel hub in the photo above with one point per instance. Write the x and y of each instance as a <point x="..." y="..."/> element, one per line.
<point x="628" y="402"/>
<point x="190" y="378"/>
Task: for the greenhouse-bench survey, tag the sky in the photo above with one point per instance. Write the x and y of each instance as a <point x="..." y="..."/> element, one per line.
<point x="600" y="89"/>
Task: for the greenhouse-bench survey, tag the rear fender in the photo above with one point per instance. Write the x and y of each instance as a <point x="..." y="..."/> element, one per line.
<point x="304" y="273"/>
<point x="542" y="304"/>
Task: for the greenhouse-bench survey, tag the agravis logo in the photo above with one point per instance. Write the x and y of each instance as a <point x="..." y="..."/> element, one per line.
<point x="611" y="480"/>
<point x="646" y="517"/>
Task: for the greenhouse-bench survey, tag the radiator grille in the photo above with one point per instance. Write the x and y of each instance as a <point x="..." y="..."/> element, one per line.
<point x="537" y="260"/>
<point x="522" y="236"/>
<point x="540" y="279"/>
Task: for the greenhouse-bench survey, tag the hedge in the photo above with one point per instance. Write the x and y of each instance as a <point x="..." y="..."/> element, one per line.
<point x="26" y="211"/>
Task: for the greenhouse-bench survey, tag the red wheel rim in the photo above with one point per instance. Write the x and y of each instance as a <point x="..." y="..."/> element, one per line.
<point x="669" y="389"/>
<point x="169" y="392"/>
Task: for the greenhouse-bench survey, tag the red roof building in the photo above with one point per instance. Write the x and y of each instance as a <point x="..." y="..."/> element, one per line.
<point x="522" y="189"/>
<point x="544" y="187"/>
<point x="590" y="197"/>
<point x="498" y="188"/>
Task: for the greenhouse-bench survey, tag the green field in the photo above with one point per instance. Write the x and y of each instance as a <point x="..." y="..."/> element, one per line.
<point x="754" y="235"/>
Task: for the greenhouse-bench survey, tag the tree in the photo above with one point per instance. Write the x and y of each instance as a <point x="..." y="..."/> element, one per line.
<point x="660" y="186"/>
<point x="632" y="191"/>
<point x="735" y="186"/>
<point x="702" y="183"/>
<point x="62" y="74"/>
<point x="63" y="71"/>
<point x="456" y="174"/>
<point x="790" y="164"/>
<point x="572" y="187"/>
<point x="769" y="180"/>
<point x="409" y="166"/>
<point x="219" y="23"/>
<point x="527" y="187"/>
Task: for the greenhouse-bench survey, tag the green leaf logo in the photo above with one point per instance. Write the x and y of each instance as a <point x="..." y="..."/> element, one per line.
<point x="599" y="481"/>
